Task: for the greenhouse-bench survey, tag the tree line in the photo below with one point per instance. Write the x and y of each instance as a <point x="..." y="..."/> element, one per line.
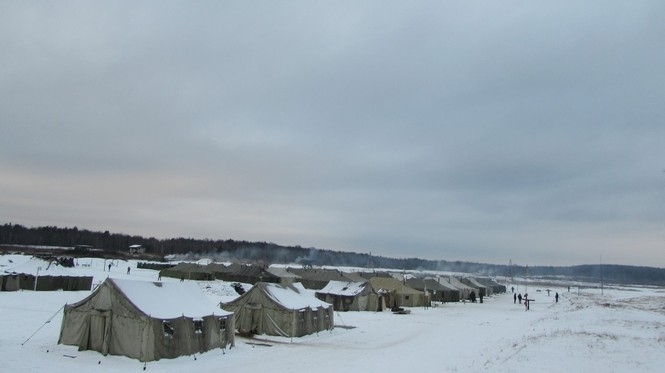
<point x="268" y="252"/>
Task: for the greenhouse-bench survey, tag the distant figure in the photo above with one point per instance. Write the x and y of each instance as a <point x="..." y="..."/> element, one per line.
<point x="526" y="301"/>
<point x="519" y="297"/>
<point x="514" y="298"/>
<point x="472" y="296"/>
<point x="182" y="279"/>
<point x="548" y="292"/>
<point x="159" y="276"/>
<point x="109" y="267"/>
<point x="481" y="297"/>
<point x="569" y="289"/>
<point x="512" y="289"/>
<point x="129" y="269"/>
<point x="556" y="297"/>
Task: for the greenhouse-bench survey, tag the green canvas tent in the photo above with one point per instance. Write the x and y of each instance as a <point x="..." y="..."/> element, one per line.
<point x="351" y="296"/>
<point x="281" y="310"/>
<point x="399" y="295"/>
<point x="146" y="320"/>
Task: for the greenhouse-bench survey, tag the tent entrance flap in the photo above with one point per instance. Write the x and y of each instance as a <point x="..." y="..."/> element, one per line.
<point x="255" y="326"/>
<point x="99" y="332"/>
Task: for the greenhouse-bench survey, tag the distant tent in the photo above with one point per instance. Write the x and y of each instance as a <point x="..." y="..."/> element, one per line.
<point x="397" y="294"/>
<point x="482" y="289"/>
<point x="368" y="275"/>
<point x="465" y="290"/>
<point x="317" y="278"/>
<point x="281" y="310"/>
<point x="285" y="277"/>
<point x="439" y="292"/>
<point x="453" y="294"/>
<point x="491" y="284"/>
<point x="247" y="274"/>
<point x="215" y="268"/>
<point x="188" y="271"/>
<point x="351" y="296"/>
<point x="146" y="320"/>
<point x="41" y="275"/>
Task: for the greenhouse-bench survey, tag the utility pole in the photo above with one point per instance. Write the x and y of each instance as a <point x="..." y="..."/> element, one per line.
<point x="601" y="275"/>
<point x="510" y="270"/>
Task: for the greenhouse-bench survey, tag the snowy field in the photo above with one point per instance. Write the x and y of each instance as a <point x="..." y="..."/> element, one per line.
<point x="621" y="330"/>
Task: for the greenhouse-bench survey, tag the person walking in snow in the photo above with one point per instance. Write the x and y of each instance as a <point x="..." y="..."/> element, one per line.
<point x="514" y="298"/>
<point x="556" y="297"/>
<point x="128" y="269"/>
<point x="519" y="297"/>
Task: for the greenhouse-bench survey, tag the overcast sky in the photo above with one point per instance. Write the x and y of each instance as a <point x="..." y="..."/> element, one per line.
<point x="483" y="131"/>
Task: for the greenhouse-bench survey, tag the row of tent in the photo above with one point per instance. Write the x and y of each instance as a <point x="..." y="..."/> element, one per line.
<point x="395" y="293"/>
<point x="380" y="293"/>
<point x="153" y="320"/>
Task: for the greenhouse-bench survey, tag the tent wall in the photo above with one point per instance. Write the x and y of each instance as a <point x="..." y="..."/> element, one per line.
<point x="11" y="283"/>
<point x="344" y="303"/>
<point x="45" y="283"/>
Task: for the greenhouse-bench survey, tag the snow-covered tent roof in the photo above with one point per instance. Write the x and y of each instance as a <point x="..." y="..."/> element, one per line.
<point x="293" y="296"/>
<point x="456" y="283"/>
<point x="166" y="300"/>
<point x="443" y="282"/>
<point x="425" y="283"/>
<point x="391" y="284"/>
<point x="282" y="272"/>
<point x="344" y="288"/>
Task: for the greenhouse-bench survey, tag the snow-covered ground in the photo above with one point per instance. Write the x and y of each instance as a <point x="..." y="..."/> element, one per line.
<point x="621" y="330"/>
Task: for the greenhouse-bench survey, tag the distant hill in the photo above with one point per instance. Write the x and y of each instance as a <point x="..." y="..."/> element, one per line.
<point x="116" y="244"/>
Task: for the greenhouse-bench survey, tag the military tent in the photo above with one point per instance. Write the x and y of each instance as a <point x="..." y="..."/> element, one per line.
<point x="351" y="296"/>
<point x="472" y="282"/>
<point x="188" y="271"/>
<point x="491" y="284"/>
<point x="247" y="274"/>
<point x="440" y="292"/>
<point x="465" y="290"/>
<point x="146" y="320"/>
<point x="318" y="278"/>
<point x="397" y="294"/>
<point x="281" y="310"/>
<point x="285" y="277"/>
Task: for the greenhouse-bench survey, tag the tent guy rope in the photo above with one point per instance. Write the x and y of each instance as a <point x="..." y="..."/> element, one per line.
<point x="47" y="321"/>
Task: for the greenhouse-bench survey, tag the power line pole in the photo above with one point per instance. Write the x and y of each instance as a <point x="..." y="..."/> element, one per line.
<point x="601" y="275"/>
